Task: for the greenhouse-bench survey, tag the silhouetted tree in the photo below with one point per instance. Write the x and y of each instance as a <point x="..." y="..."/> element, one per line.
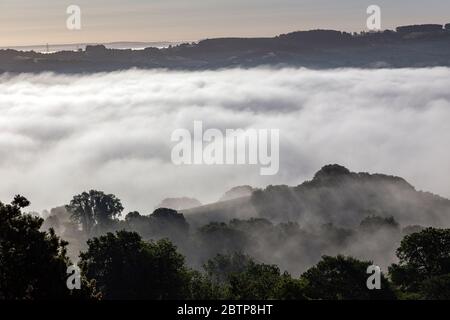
<point x="94" y="208"/>
<point x="216" y="237"/>
<point x="167" y="222"/>
<point x="33" y="263"/>
<point x="374" y="223"/>
<point x="162" y="223"/>
<point x="289" y="288"/>
<point x="237" y="276"/>
<point x="256" y="282"/>
<point x="126" y="267"/>
<point x="343" y="278"/>
<point x="222" y="266"/>
<point x="424" y="258"/>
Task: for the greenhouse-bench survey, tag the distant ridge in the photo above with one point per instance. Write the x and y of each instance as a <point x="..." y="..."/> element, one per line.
<point x="120" y="45"/>
<point x="335" y="195"/>
<point x="409" y="46"/>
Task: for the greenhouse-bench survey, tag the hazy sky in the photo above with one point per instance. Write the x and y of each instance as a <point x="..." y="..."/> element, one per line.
<point x="25" y="22"/>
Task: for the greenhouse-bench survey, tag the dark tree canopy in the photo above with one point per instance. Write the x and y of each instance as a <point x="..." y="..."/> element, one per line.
<point x="239" y="277"/>
<point x="424" y="257"/>
<point x="220" y="238"/>
<point x="162" y="223"/>
<point x="33" y="263"/>
<point x="256" y="282"/>
<point x="126" y="267"/>
<point x="222" y="266"/>
<point x="374" y="223"/>
<point x="427" y="251"/>
<point x="94" y="208"/>
<point x="343" y="278"/>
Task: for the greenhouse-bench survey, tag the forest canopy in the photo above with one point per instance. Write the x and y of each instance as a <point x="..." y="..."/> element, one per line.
<point x="135" y="258"/>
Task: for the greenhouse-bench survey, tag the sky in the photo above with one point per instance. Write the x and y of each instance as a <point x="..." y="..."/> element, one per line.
<point x="24" y="22"/>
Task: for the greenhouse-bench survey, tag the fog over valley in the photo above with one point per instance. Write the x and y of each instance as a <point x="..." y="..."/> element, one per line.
<point x="62" y="134"/>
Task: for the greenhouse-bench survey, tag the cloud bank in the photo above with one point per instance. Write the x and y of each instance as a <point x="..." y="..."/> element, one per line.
<point x="60" y="135"/>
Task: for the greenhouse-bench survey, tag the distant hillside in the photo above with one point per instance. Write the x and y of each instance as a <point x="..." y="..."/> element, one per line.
<point x="237" y="192"/>
<point x="123" y="45"/>
<point x="179" y="203"/>
<point x="408" y="46"/>
<point x="335" y="195"/>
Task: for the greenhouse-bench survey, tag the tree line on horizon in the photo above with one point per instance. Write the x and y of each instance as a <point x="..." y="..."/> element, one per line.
<point x="121" y="261"/>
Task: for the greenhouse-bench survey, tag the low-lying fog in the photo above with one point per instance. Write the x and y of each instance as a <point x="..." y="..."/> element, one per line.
<point x="60" y="135"/>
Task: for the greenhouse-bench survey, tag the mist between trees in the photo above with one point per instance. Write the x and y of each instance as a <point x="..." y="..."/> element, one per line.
<point x="167" y="255"/>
